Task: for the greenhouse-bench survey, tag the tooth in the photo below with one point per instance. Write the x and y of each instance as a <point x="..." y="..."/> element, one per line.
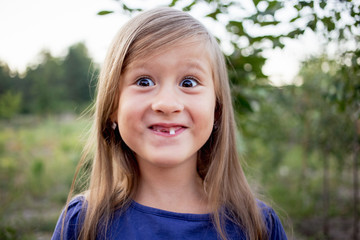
<point x="172" y="131"/>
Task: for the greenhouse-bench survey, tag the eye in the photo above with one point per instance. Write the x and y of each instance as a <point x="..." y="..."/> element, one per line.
<point x="145" y="82"/>
<point x="189" y="82"/>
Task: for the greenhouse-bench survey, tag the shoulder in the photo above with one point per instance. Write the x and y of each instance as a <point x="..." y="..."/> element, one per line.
<point x="72" y="222"/>
<point x="272" y="221"/>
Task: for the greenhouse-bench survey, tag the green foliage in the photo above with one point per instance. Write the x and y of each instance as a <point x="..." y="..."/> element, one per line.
<point x="44" y="85"/>
<point x="10" y="104"/>
<point x="8" y="233"/>
<point x="104" y="12"/>
<point x="345" y="91"/>
<point x="292" y="134"/>
<point x="77" y="68"/>
<point x="257" y="26"/>
<point x="36" y="171"/>
<point x="53" y="85"/>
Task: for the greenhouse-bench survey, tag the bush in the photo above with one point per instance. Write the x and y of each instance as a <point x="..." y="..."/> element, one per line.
<point x="10" y="104"/>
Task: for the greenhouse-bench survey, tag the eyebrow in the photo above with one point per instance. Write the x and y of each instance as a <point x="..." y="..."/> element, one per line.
<point x="196" y="65"/>
<point x="190" y="63"/>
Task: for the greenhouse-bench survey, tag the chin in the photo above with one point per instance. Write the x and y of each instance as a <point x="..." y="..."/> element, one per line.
<point x="169" y="160"/>
<point x="167" y="163"/>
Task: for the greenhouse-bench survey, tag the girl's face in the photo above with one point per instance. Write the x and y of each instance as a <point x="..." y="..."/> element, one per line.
<point x="166" y="105"/>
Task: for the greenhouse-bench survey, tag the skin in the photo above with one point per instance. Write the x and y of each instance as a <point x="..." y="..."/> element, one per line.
<point x="165" y="115"/>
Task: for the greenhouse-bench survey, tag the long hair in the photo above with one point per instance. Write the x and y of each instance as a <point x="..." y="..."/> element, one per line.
<point x="114" y="175"/>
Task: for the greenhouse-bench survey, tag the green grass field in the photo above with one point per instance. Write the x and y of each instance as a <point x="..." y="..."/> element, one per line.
<point x="38" y="157"/>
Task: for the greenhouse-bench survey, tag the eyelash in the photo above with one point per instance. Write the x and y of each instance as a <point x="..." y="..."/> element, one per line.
<point x="193" y="79"/>
<point x="143" y="78"/>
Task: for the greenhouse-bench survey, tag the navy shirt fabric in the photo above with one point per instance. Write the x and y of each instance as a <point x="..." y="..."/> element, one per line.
<point x="142" y="222"/>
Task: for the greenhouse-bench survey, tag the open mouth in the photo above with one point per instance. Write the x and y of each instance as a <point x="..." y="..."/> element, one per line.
<point x="166" y="130"/>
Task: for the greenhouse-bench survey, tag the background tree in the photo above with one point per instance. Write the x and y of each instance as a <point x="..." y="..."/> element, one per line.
<point x="255" y="26"/>
<point x="10" y="99"/>
<point x="78" y="73"/>
<point x="53" y="85"/>
<point x="42" y="86"/>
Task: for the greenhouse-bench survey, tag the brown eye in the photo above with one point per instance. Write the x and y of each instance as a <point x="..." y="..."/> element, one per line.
<point x="188" y="83"/>
<point x="145" y="82"/>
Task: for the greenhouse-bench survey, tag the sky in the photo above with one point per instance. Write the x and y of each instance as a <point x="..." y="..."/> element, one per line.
<point x="28" y="27"/>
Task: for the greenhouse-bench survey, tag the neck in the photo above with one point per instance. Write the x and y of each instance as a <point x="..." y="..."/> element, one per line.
<point x="178" y="189"/>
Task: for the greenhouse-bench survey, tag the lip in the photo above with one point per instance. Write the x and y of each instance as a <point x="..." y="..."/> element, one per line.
<point x="163" y="129"/>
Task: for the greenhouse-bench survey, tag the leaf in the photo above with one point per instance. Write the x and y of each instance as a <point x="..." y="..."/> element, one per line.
<point x="273" y="6"/>
<point x="256" y="2"/>
<point x="323" y="4"/>
<point x="295" y="18"/>
<point x="105" y="12"/>
<point x="298" y="7"/>
<point x="337" y="16"/>
<point x="126" y="8"/>
<point x="312" y="24"/>
<point x="173" y="3"/>
<point x="330" y="25"/>
<point x="253" y="17"/>
<point x="273" y="23"/>
<point x="306" y="4"/>
<point x="341" y="34"/>
<point x="188" y="7"/>
<point x="213" y="15"/>
<point x="242" y="103"/>
<point x="236" y="27"/>
<point x="295" y="33"/>
<point x="277" y="43"/>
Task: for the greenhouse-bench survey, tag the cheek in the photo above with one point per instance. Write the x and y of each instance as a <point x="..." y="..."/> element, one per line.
<point x="204" y="113"/>
<point x="129" y="107"/>
<point x="128" y="116"/>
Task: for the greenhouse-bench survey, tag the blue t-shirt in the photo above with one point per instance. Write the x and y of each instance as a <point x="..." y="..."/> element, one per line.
<point x="142" y="222"/>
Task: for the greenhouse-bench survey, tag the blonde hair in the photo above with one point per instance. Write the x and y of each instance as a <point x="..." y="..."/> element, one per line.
<point x="114" y="175"/>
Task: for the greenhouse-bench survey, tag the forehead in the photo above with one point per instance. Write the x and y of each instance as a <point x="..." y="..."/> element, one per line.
<point x="194" y="52"/>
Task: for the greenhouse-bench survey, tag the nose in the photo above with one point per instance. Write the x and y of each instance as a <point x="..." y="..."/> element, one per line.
<point x="167" y="101"/>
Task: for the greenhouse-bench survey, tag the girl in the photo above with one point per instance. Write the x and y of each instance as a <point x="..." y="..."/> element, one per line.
<point x="165" y="164"/>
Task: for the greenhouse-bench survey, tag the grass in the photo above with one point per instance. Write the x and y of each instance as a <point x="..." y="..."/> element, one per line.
<point x="38" y="157"/>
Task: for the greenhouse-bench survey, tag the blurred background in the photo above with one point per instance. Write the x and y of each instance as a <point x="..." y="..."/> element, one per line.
<point x="294" y="68"/>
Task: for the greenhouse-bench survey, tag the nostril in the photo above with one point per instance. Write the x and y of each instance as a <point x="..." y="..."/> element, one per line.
<point x="167" y="107"/>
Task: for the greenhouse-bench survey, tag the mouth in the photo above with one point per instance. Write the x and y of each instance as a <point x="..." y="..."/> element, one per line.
<point x="165" y="129"/>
